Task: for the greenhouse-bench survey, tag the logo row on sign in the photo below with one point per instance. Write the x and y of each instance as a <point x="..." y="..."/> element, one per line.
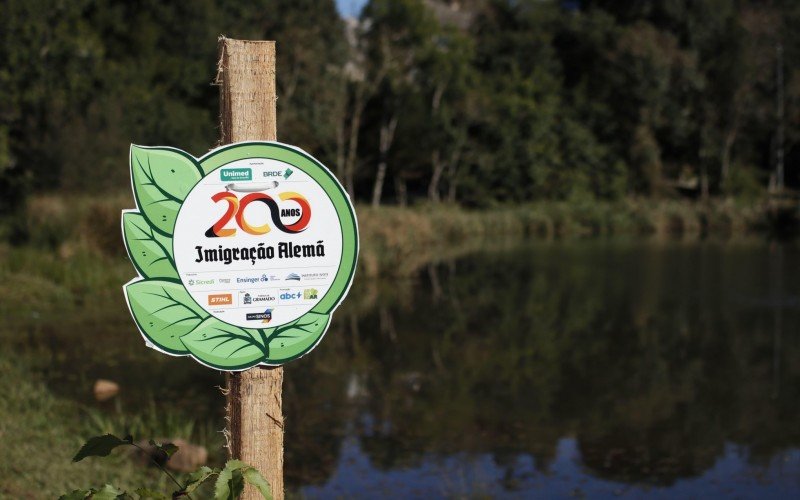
<point x="285" y="296"/>
<point x="257" y="279"/>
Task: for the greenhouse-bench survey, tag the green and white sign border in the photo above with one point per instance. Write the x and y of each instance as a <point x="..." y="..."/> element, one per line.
<point x="168" y="318"/>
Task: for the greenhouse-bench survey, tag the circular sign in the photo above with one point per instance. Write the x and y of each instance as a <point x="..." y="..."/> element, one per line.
<point x="258" y="242"/>
<point x="243" y="254"/>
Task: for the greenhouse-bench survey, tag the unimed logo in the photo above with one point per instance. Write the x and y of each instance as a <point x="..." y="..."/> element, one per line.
<point x="236" y="174"/>
<point x="220" y="299"/>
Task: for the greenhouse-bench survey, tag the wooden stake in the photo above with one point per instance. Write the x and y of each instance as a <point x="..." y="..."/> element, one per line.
<point x="246" y="76"/>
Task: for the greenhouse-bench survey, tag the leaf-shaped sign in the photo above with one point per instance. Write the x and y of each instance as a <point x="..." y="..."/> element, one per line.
<point x="211" y="277"/>
<point x="292" y="340"/>
<point x="150" y="251"/>
<point x="162" y="178"/>
<point x="225" y="346"/>
<point x="164" y="311"/>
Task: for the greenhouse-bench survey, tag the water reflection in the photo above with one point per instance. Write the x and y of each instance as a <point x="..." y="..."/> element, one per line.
<point x="654" y="362"/>
<point x="597" y="368"/>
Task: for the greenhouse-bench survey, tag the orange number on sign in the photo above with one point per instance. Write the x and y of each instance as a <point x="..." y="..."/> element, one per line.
<point x="218" y="229"/>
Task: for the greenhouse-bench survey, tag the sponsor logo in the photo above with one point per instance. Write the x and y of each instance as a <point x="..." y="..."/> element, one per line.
<point x="265" y="317"/>
<point x="220" y="299"/>
<point x="315" y="276"/>
<point x="253" y="279"/>
<point x="199" y="282"/>
<point x="279" y="173"/>
<point x="258" y="298"/>
<point x="293" y="277"/>
<point x="236" y="174"/>
<point x="224" y="280"/>
<point x="290" y="295"/>
<point x="310" y="294"/>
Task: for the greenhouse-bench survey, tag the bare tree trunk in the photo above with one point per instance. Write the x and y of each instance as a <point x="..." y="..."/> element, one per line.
<point x="438" y="168"/>
<point x="359" y="101"/>
<point x="727" y="146"/>
<point x="341" y="125"/>
<point x="254" y="410"/>
<point x="386" y="138"/>
<point x="452" y="169"/>
<point x="704" y="193"/>
<point x="401" y="190"/>
<point x="452" y="185"/>
<point x="779" y="129"/>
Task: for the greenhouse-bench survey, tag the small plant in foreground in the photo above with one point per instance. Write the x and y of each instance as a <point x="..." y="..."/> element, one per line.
<point x="228" y="486"/>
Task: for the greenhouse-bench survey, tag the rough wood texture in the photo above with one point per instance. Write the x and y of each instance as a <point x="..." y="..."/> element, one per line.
<point x="246" y="76"/>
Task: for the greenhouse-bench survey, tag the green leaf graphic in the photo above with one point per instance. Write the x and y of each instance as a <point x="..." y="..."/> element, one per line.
<point x="150" y="250"/>
<point x="162" y="178"/>
<point x="289" y="341"/>
<point x="225" y="346"/>
<point x="164" y="311"/>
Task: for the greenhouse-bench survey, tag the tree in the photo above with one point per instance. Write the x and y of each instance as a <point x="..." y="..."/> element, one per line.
<point x="398" y="36"/>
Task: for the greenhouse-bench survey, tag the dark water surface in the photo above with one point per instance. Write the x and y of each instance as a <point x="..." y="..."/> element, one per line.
<point x="597" y="369"/>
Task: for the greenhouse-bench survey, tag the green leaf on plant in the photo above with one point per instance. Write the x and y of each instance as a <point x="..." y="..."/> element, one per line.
<point x="145" y="493"/>
<point x="149" y="250"/>
<point x="230" y="482"/>
<point x="162" y="178"/>
<point x="164" y="311"/>
<point x="108" y="492"/>
<point x="197" y="478"/>
<point x="225" y="346"/>
<point x="75" y="495"/>
<point x="288" y="341"/>
<point x="167" y="449"/>
<point x="99" y="446"/>
<point x="254" y="478"/>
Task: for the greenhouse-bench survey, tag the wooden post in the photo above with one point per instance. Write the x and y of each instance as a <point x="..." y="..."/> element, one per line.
<point x="246" y="76"/>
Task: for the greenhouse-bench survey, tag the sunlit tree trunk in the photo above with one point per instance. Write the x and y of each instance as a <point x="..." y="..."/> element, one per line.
<point x="359" y="101"/>
<point x="438" y="168"/>
<point x="401" y="190"/>
<point x="387" y="136"/>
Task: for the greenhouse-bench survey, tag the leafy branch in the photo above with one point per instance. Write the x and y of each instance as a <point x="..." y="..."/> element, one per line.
<point x="228" y="486"/>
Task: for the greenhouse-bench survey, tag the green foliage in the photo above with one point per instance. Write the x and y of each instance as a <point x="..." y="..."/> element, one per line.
<point x="229" y="484"/>
<point x="487" y="101"/>
<point x="100" y="446"/>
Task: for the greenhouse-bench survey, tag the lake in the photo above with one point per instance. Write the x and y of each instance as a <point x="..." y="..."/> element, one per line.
<point x="568" y="369"/>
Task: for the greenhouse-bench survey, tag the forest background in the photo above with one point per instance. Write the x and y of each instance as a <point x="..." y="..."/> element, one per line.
<point x="477" y="102"/>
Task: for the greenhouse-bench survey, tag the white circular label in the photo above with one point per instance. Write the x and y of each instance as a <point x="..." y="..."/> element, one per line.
<point x="257" y="243"/>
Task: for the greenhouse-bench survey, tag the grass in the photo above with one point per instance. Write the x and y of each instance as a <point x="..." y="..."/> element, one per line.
<point x="41" y="432"/>
<point x="396" y="241"/>
<point x="40" y="435"/>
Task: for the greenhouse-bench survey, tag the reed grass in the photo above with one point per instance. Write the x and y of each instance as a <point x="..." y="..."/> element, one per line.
<point x="395" y="240"/>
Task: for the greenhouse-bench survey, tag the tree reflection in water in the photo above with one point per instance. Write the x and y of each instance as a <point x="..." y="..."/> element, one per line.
<point x="655" y="359"/>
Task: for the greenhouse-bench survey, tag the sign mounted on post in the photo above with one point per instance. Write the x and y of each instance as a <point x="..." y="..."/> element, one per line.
<point x="242" y="254"/>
